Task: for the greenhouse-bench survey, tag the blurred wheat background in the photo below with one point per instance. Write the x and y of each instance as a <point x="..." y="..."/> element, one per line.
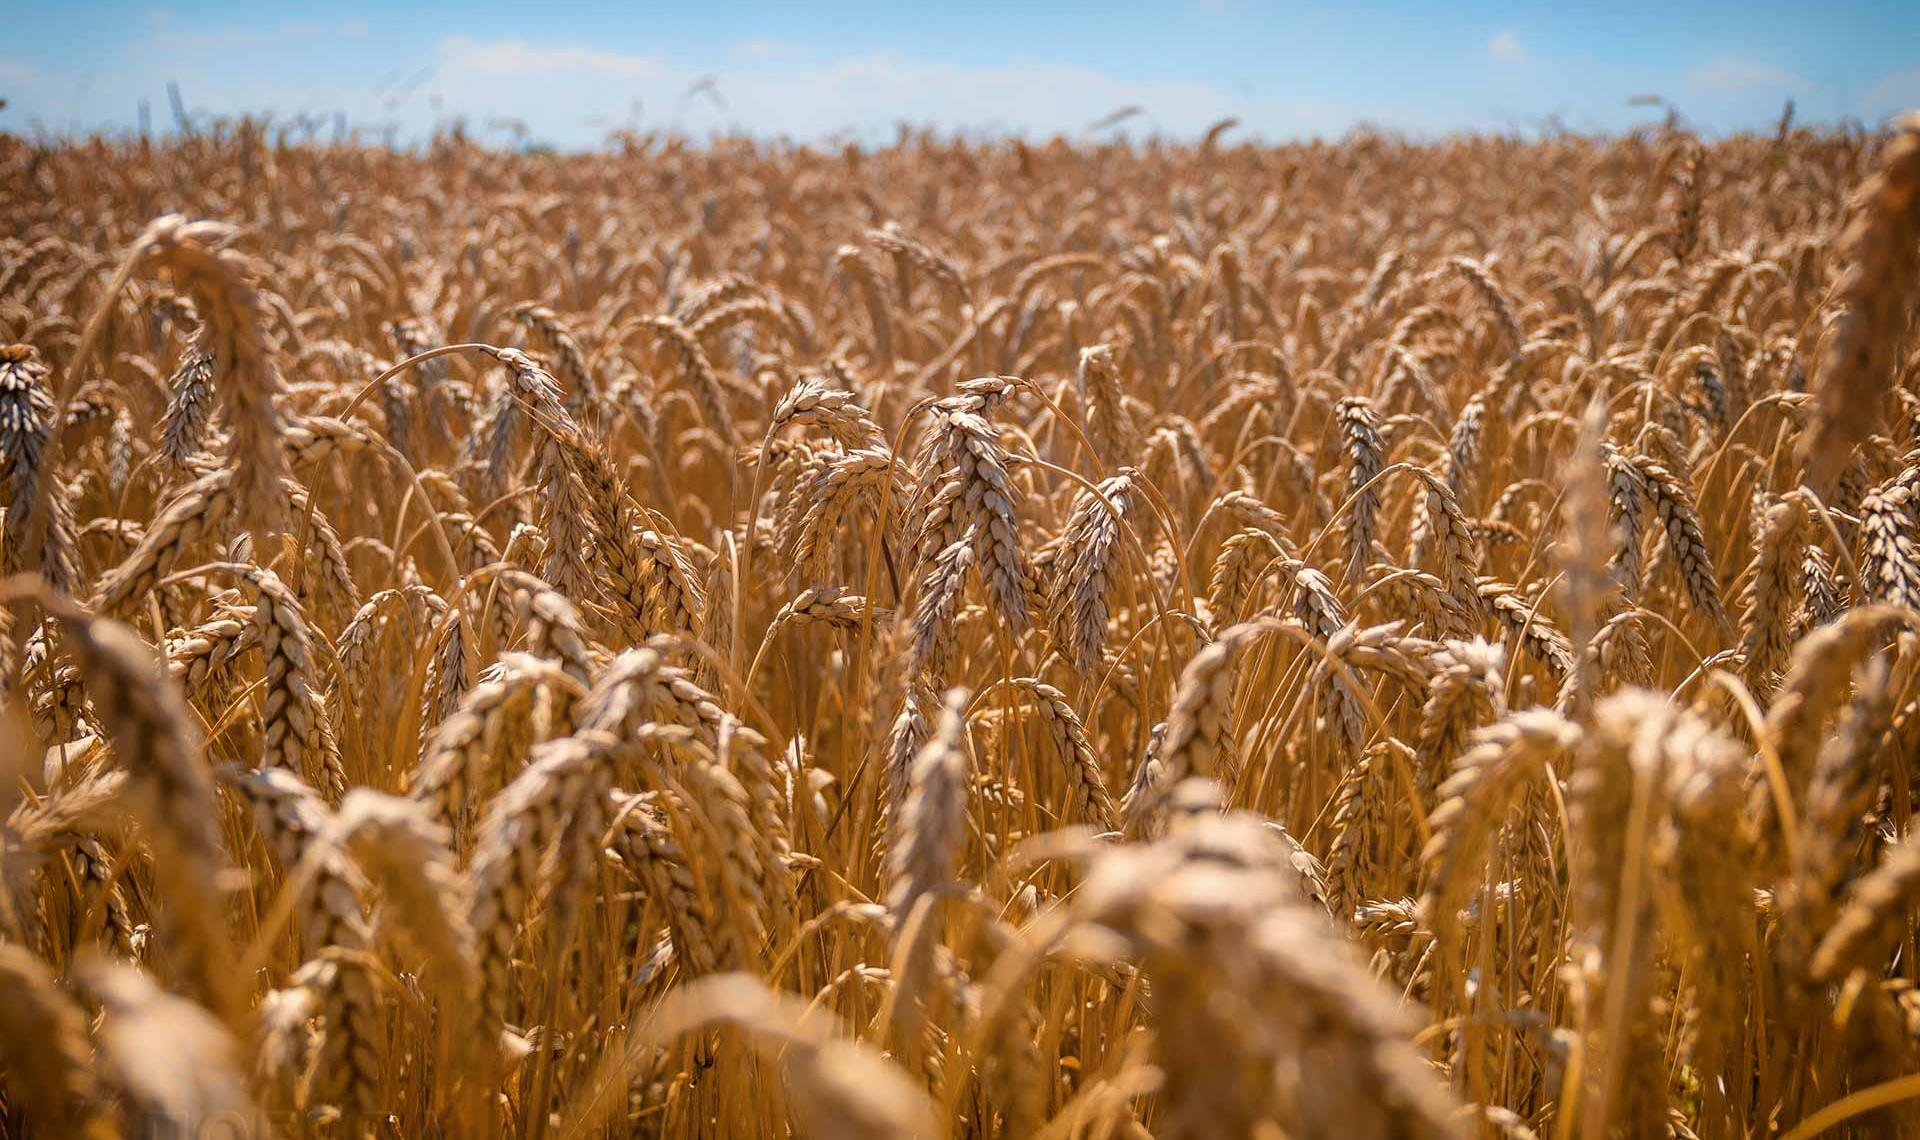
<point x="977" y="639"/>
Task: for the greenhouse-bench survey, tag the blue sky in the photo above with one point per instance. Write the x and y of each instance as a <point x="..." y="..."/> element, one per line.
<point x="571" y="72"/>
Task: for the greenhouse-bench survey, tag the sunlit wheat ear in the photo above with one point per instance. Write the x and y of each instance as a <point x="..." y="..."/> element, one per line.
<point x="43" y="1044"/>
<point x="811" y="402"/>
<point x="285" y="1033"/>
<point x="1463" y="447"/>
<point x="719" y="807"/>
<point x="1889" y="555"/>
<point x="841" y="1090"/>
<point x="1679" y="521"/>
<point x="191" y="515"/>
<point x="1362" y="793"/>
<point x="1499" y="761"/>
<point x="327" y="888"/>
<point x="1199" y="739"/>
<point x="450" y="668"/>
<point x="765" y="844"/>
<point x="26" y="412"/>
<point x="297" y="725"/>
<point x="1109" y="425"/>
<point x="719" y="587"/>
<point x="566" y="518"/>
<point x="1215" y="900"/>
<point x="1237" y="569"/>
<point x="826" y="605"/>
<point x="1524" y="622"/>
<point x="201" y="657"/>
<point x="641" y="837"/>
<point x="1453" y="544"/>
<point x="1090" y="796"/>
<point x="698" y="374"/>
<point x="1621" y="783"/>
<point x="1088" y="568"/>
<point x="1876" y="910"/>
<point x="1839" y="790"/>
<point x="68" y="821"/>
<point x="652" y="581"/>
<point x="172" y="794"/>
<point x="1491" y="294"/>
<point x="165" y="1057"/>
<point x="936" y="613"/>
<point x="225" y="287"/>
<point x="824" y="495"/>
<point x="852" y="264"/>
<point x="563" y="348"/>
<point x="1140" y="807"/>
<point x="1366" y="457"/>
<point x="907" y="250"/>
<point x="912" y="724"/>
<point x="1593" y="582"/>
<point x="968" y="495"/>
<point x="412" y="336"/>
<point x="405" y="856"/>
<point x="1247" y="509"/>
<point x="928" y="831"/>
<point x="526" y="830"/>
<point x="335" y="588"/>
<point x="1773" y="591"/>
<point x="1856" y="365"/>
<point x="1817" y="676"/>
<point x="1468" y="688"/>
<point x="465" y="751"/>
<point x="358" y="641"/>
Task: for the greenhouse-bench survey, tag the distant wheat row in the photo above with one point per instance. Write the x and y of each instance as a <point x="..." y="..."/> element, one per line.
<point x="961" y="640"/>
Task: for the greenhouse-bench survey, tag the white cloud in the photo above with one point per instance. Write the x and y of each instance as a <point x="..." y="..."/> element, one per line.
<point x="772" y="88"/>
<point x="169" y="35"/>
<point x="17" y="71"/>
<point x="762" y="49"/>
<point x="1506" y="46"/>
<point x="462" y="57"/>
<point x="1740" y="76"/>
<point x="570" y="92"/>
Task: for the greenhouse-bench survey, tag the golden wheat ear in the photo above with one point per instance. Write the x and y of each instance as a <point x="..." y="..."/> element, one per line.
<point x="971" y="637"/>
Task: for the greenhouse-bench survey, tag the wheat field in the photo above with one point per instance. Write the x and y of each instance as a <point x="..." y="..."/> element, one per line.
<point x="961" y="638"/>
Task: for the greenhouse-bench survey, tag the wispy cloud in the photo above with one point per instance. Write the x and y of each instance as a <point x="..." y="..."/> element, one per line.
<point x="779" y="88"/>
<point x="568" y="90"/>
<point x="462" y="57"/>
<point x="1730" y="76"/>
<point x="762" y="49"/>
<point x="169" y="34"/>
